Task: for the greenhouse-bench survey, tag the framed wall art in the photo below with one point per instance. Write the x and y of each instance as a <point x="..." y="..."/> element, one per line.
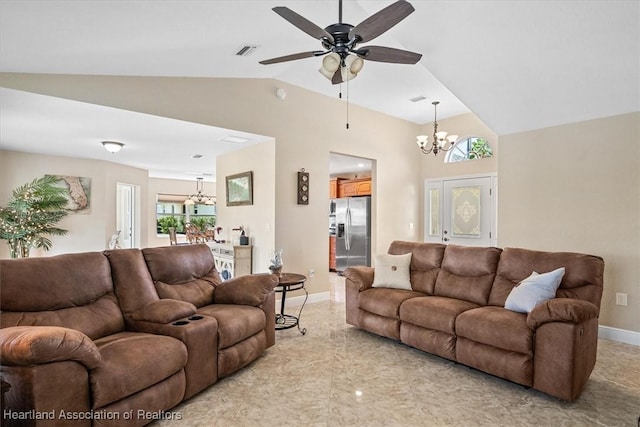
<point x="79" y="193"/>
<point x="240" y="189"/>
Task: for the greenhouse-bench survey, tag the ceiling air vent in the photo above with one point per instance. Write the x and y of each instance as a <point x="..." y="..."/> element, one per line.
<point x="418" y="99"/>
<point x="246" y="50"/>
<point x="234" y="139"/>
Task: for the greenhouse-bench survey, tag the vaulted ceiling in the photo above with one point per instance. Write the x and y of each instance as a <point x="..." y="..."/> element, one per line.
<point x="517" y="65"/>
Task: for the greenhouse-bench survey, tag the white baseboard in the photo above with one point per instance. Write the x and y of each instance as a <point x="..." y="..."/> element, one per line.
<point x="620" y="335"/>
<point x="297" y="301"/>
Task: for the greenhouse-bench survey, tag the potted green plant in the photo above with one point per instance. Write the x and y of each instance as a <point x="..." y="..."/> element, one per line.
<point x="32" y="214"/>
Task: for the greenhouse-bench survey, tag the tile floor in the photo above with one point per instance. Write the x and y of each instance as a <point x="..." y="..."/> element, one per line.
<point x="337" y="375"/>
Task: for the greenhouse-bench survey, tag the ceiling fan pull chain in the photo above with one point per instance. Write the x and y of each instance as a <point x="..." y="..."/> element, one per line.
<point x="347" y="104"/>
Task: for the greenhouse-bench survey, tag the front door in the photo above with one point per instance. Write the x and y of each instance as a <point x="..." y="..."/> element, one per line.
<point x="461" y="211"/>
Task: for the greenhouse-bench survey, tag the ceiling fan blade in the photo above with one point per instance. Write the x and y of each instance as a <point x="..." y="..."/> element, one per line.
<point x="302" y="23"/>
<point x="388" y="54"/>
<point x="381" y="21"/>
<point x="292" y="57"/>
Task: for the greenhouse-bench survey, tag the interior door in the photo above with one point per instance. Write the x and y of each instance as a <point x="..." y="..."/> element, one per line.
<point x="125" y="215"/>
<point x="461" y="211"/>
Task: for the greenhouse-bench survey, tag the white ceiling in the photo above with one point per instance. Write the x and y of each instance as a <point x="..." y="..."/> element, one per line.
<point x="163" y="146"/>
<point x="518" y="65"/>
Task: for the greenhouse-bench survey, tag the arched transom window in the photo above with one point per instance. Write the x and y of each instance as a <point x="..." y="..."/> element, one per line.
<point x="469" y="149"/>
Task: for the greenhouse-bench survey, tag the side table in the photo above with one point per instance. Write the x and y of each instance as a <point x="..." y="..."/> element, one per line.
<point x="290" y="282"/>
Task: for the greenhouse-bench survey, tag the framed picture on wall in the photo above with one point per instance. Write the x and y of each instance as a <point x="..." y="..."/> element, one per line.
<point x="78" y="193"/>
<point x="240" y="189"/>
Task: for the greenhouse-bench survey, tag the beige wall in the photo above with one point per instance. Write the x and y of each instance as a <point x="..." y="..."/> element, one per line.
<point x="86" y="232"/>
<point x="258" y="219"/>
<point x="577" y="188"/>
<point x="573" y="187"/>
<point x="306" y="127"/>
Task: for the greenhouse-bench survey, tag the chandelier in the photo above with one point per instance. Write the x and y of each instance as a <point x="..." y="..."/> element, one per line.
<point x="441" y="142"/>
<point x="200" y="197"/>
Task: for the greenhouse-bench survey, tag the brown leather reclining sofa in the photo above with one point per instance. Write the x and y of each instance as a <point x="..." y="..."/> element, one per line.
<point x="119" y="337"/>
<point x="455" y="309"/>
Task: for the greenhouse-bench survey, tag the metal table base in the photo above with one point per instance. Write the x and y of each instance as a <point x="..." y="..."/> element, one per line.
<point x="290" y="282"/>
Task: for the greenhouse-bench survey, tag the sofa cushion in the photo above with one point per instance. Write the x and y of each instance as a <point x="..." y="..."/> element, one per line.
<point x="436" y="313"/>
<point x="426" y="259"/>
<point x="467" y="273"/>
<point x="133" y="361"/>
<point x="198" y="292"/>
<point x="583" y="278"/>
<point x="235" y="322"/>
<point x="497" y="327"/>
<point x="384" y="301"/>
<point x="131" y="279"/>
<point x="70" y="291"/>
<point x="392" y="271"/>
<point x="533" y="290"/>
<point x="185" y="273"/>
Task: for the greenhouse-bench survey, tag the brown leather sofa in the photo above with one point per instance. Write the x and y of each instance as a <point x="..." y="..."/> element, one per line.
<point x="455" y="309"/>
<point x="117" y="338"/>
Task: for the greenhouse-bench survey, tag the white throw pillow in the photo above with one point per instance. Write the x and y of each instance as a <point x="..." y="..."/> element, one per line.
<point x="392" y="271"/>
<point x="533" y="290"/>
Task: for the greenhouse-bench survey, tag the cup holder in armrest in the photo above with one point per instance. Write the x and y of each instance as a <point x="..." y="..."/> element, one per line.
<point x="180" y="323"/>
<point x="197" y="317"/>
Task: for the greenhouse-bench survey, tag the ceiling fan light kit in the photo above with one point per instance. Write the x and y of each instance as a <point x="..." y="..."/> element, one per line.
<point x="343" y="60"/>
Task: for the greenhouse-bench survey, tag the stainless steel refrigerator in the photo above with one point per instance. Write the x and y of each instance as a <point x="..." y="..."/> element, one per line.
<point x="353" y="232"/>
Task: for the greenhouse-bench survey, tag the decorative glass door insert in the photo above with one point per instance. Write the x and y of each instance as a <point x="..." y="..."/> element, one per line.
<point x="461" y="211"/>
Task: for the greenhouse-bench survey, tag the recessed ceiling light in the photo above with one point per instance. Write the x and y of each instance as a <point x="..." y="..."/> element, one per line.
<point x="197" y="156"/>
<point x="234" y="139"/>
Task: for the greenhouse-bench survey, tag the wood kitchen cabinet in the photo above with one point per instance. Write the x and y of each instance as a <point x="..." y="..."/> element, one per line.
<point x="354" y="187"/>
<point x="332" y="253"/>
<point x="333" y="189"/>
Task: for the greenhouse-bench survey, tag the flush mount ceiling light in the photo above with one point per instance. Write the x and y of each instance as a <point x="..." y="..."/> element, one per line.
<point x="200" y="197"/>
<point x="112" y="146"/>
<point x="440" y="139"/>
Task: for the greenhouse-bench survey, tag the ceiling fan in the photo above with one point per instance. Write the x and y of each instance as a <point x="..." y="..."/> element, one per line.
<point x="344" y="59"/>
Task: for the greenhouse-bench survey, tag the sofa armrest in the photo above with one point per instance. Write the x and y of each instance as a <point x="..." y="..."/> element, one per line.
<point x="252" y="289"/>
<point x="163" y="311"/>
<point x="361" y="276"/>
<point x="33" y="345"/>
<point x="566" y="310"/>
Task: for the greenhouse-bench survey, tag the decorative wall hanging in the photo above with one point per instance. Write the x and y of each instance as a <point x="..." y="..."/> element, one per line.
<point x="78" y="193"/>
<point x="303" y="187"/>
<point x="240" y="189"/>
